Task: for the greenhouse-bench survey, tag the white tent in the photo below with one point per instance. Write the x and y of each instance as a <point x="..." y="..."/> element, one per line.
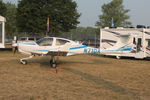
<point x="2" y="32"/>
<point x="2" y="19"/>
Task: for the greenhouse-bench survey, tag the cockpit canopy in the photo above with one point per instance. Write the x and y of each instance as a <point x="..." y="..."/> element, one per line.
<point x="51" y="41"/>
<point x="61" y="42"/>
<point x="45" y="42"/>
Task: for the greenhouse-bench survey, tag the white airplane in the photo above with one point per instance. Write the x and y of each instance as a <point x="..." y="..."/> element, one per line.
<point x="55" y="46"/>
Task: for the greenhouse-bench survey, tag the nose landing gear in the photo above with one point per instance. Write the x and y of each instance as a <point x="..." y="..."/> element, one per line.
<point x="24" y="60"/>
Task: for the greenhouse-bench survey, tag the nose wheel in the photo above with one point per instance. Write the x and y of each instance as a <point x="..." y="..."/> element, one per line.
<point x="24" y="62"/>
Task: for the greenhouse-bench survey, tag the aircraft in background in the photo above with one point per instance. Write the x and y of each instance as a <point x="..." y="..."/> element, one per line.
<point x="55" y="46"/>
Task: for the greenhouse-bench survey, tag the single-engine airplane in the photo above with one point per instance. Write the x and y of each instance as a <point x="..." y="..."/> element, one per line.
<point x="55" y="46"/>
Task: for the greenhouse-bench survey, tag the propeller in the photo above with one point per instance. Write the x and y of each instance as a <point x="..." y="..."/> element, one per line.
<point x="15" y="44"/>
<point x="15" y="49"/>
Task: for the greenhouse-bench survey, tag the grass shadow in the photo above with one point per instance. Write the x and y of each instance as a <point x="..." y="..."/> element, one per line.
<point x="109" y="85"/>
<point x="45" y="62"/>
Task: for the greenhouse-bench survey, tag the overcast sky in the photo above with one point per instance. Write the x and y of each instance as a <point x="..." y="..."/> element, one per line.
<point x="91" y="9"/>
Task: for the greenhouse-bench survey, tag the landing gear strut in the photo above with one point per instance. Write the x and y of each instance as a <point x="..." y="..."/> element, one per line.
<point x="24" y="60"/>
<point x="53" y="62"/>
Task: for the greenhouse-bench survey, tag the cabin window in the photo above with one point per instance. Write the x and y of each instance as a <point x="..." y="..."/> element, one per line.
<point x="139" y="41"/>
<point x="31" y="38"/>
<point x="139" y="44"/>
<point x="134" y="42"/>
<point x="45" y="42"/>
<point x="61" y="42"/>
<point x="0" y="32"/>
<point x="148" y="43"/>
<point x="23" y="39"/>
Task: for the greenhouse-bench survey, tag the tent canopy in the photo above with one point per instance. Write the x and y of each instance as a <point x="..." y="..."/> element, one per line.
<point x="2" y="19"/>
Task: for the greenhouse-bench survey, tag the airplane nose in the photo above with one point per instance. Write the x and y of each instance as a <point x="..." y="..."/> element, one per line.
<point x="20" y="45"/>
<point x="26" y="46"/>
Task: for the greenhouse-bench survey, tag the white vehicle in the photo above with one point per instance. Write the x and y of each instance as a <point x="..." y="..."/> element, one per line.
<point x="138" y="38"/>
<point x="55" y="46"/>
<point x="2" y="32"/>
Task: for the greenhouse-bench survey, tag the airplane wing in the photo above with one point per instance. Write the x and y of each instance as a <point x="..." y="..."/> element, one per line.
<point x="61" y="51"/>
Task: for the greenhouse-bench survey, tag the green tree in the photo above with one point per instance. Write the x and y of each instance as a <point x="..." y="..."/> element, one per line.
<point x="115" y="10"/>
<point x="3" y="8"/>
<point x="32" y="15"/>
<point x="11" y="19"/>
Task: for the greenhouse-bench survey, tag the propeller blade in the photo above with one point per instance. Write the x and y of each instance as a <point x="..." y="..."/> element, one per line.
<point x="16" y="49"/>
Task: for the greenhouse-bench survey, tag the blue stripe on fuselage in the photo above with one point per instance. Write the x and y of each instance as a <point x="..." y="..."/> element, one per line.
<point x="80" y="47"/>
<point x="29" y="43"/>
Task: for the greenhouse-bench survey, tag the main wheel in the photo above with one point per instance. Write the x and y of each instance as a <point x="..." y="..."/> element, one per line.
<point x="53" y="64"/>
<point x="118" y="57"/>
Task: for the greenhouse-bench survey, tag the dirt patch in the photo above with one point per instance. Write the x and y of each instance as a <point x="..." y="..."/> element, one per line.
<point x="82" y="77"/>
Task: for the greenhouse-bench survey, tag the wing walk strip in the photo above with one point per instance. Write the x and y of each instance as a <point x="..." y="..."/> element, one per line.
<point x="109" y="85"/>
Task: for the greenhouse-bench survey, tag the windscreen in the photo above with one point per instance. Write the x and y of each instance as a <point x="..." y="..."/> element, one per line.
<point x="45" y="42"/>
<point x="0" y="32"/>
<point x="61" y="42"/>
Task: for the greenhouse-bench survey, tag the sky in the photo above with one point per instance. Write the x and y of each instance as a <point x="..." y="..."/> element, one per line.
<point x="91" y="9"/>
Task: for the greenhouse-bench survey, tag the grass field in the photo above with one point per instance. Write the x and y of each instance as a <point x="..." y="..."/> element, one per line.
<point x="82" y="77"/>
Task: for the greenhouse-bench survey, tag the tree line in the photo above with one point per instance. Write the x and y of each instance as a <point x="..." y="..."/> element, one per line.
<point x="31" y="16"/>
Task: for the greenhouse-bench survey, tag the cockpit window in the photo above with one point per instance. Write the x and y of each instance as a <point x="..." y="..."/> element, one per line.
<point x="45" y="42"/>
<point x="23" y="39"/>
<point x="61" y="42"/>
<point x="31" y="39"/>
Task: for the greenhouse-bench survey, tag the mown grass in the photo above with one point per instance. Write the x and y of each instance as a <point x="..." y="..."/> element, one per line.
<point x="81" y="77"/>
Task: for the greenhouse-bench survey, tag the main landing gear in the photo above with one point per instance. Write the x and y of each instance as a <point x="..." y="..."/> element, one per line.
<point x="53" y="62"/>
